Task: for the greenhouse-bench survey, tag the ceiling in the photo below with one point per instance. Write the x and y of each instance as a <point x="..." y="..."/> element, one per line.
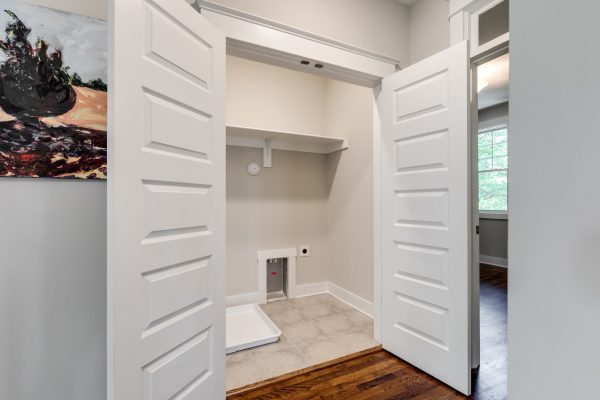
<point x="495" y="74"/>
<point x="407" y="2"/>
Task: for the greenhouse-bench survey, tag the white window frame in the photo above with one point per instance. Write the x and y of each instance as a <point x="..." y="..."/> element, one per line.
<point x="492" y="125"/>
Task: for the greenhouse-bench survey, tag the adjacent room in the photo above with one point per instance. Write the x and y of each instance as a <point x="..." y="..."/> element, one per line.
<point x="492" y="208"/>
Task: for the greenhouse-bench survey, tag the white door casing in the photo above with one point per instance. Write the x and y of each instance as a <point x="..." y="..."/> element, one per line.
<point x="475" y="275"/>
<point x="426" y="215"/>
<point x="166" y="188"/>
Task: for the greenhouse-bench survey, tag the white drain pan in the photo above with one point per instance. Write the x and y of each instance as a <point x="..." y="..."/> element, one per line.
<point x="248" y="326"/>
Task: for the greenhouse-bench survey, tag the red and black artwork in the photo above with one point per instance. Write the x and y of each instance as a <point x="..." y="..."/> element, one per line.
<point x="53" y="95"/>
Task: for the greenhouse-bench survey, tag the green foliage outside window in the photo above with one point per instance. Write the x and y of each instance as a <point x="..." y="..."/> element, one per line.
<point x="493" y="170"/>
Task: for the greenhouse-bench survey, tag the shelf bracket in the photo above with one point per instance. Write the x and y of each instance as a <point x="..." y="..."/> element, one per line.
<point x="267" y="154"/>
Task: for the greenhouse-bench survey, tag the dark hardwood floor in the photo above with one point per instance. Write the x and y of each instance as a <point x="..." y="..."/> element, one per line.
<point x="378" y="375"/>
<point x="370" y="375"/>
<point x="489" y="382"/>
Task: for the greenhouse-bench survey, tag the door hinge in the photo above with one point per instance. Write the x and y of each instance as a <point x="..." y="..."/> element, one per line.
<point x="477" y="230"/>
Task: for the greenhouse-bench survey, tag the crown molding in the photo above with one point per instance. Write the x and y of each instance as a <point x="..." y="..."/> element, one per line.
<point x="247" y="17"/>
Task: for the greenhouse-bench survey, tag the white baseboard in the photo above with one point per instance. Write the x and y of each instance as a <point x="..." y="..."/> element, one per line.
<point x="497" y="261"/>
<point x="344" y="295"/>
<point x="310" y="289"/>
<point x="353" y="300"/>
<point x="241" y="299"/>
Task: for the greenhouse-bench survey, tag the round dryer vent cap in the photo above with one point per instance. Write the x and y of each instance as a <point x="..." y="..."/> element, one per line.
<point x="253" y="169"/>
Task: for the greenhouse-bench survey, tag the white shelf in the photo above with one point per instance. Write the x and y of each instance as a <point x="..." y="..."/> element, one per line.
<point x="250" y="137"/>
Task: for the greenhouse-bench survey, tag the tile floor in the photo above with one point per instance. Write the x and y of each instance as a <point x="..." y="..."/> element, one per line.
<point x="314" y="329"/>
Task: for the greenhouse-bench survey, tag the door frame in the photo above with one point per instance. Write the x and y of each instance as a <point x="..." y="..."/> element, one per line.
<point x="347" y="63"/>
<point x="263" y="40"/>
<point x="284" y="46"/>
<point x="478" y="59"/>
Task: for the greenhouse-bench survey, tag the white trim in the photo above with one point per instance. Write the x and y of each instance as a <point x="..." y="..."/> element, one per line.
<point x="280" y="140"/>
<point x="242" y="299"/>
<point x="496" y="261"/>
<point x="457" y="6"/>
<point x="345" y="296"/>
<point x="262" y="257"/>
<point x="267" y="148"/>
<point x="464" y="25"/>
<point x="351" y="299"/>
<point x="266" y="41"/>
<point x="377" y="246"/>
<point x="493" y="215"/>
<point x="271" y="24"/>
<point x="492" y="124"/>
<point x="310" y="289"/>
<point x="474" y="171"/>
<point x="277" y="253"/>
<point x="492" y="47"/>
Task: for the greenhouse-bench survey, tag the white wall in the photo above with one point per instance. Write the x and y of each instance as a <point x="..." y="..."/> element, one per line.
<point x="53" y="285"/>
<point x="429" y="28"/>
<point x="350" y="206"/>
<point x="274" y="98"/>
<point x="380" y="26"/>
<point x="554" y="296"/>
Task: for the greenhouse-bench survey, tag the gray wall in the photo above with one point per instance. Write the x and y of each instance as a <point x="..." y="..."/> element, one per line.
<point x="283" y="207"/>
<point x="493" y="233"/>
<point x="429" y="28"/>
<point x="350" y="205"/>
<point x="493" y="115"/>
<point x="554" y="296"/>
<point x="52" y="290"/>
<point x="53" y="280"/>
<point x="493" y="238"/>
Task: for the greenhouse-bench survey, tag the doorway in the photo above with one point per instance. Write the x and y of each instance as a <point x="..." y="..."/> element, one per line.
<point x="299" y="181"/>
<point x="182" y="228"/>
<point x="490" y="209"/>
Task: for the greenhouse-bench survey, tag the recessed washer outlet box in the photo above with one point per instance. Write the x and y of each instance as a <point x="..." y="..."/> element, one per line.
<point x="287" y="258"/>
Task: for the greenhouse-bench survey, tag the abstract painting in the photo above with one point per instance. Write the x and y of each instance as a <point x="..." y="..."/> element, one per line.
<point x="53" y="93"/>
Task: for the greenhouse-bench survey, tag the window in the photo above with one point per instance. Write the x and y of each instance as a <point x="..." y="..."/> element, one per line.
<point x="493" y="169"/>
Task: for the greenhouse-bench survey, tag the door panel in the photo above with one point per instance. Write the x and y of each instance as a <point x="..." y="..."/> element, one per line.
<point x="426" y="215"/>
<point x="166" y="203"/>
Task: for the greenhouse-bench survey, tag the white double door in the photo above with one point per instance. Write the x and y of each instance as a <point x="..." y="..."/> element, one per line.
<point x="426" y="216"/>
<point x="166" y="203"/>
<point x="166" y="277"/>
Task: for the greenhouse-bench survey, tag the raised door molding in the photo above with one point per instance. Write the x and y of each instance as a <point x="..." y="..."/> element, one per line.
<point x="260" y="39"/>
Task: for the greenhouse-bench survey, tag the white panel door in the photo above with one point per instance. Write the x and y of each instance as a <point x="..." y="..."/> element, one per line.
<point x="426" y="216"/>
<point x="166" y="279"/>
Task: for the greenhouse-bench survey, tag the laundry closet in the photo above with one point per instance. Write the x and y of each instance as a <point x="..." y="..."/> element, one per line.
<point x="299" y="193"/>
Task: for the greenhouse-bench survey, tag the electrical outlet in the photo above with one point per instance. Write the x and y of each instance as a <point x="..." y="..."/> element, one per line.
<point x="304" y="251"/>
